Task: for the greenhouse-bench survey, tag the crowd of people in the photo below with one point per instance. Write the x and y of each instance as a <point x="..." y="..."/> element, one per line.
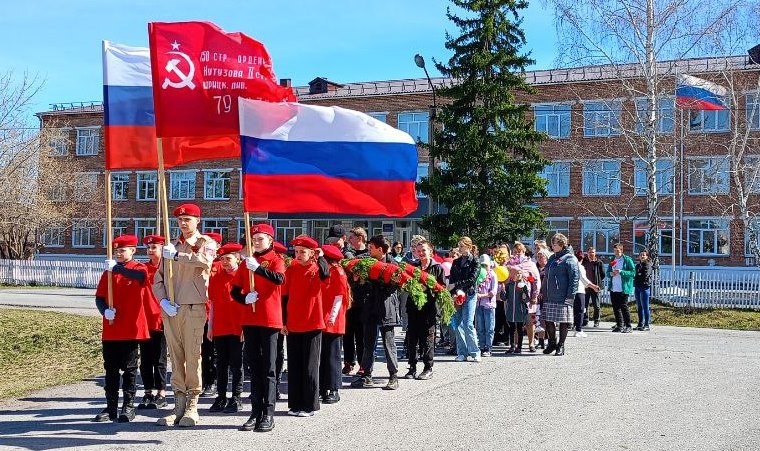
<point x="222" y="314"/>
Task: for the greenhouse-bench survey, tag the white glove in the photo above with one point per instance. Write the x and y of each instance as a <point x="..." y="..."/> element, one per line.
<point x="168" y="308"/>
<point x="109" y="314"/>
<point x="251" y="297"/>
<point x="110" y="264"/>
<point x="169" y="251"/>
<point x="252" y="263"/>
<point x="337" y="303"/>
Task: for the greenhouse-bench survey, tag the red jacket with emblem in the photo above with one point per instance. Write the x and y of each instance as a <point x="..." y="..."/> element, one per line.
<point x="268" y="279"/>
<point x="129" y="299"/>
<point x="227" y="313"/>
<point x="304" y="291"/>
<point x="152" y="307"/>
<point x="336" y="285"/>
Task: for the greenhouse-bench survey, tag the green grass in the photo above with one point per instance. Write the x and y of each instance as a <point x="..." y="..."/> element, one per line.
<point x="666" y="315"/>
<point x="41" y="349"/>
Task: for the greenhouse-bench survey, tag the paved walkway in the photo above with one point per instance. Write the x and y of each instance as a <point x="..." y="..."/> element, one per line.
<point x="671" y="388"/>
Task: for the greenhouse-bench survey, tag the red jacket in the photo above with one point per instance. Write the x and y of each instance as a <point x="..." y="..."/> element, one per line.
<point x="129" y="299"/>
<point x="336" y="285"/>
<point x="152" y="307"/>
<point x="269" y="305"/>
<point x="227" y="313"/>
<point x="304" y="291"/>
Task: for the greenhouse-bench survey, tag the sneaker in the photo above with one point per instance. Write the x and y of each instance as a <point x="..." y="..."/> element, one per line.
<point x="411" y="374"/>
<point x="581" y="334"/>
<point x="485" y="354"/>
<point x="596" y="323"/>
<point x="305" y="414"/>
<point x="331" y="398"/>
<point x="617" y="329"/>
<point x="518" y="351"/>
<point x="209" y="390"/>
<point x="531" y="349"/>
<point x="627" y="330"/>
<point x="234" y="405"/>
<point x="294" y="413"/>
<point x="347" y="368"/>
<point x="392" y="383"/>
<point x="460" y="358"/>
<point x="363" y="382"/>
<point x="475" y="358"/>
<point x="146" y="402"/>
<point x="219" y="404"/>
<point x="575" y="333"/>
<point x="159" y="402"/>
<point x="646" y="329"/>
<point x="426" y="374"/>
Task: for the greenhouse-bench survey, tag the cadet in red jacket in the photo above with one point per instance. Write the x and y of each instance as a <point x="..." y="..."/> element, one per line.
<point x="335" y="301"/>
<point x="304" y="321"/>
<point x="225" y="328"/>
<point x="124" y="326"/>
<point x="153" y="351"/>
<point x="261" y="326"/>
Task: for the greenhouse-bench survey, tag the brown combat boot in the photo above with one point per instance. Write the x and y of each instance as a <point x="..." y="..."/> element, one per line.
<point x="180" y="403"/>
<point x="190" y="418"/>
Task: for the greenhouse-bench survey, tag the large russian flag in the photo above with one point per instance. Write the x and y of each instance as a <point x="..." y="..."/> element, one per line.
<point x="697" y="94"/>
<point x="130" y="132"/>
<point x="306" y="158"/>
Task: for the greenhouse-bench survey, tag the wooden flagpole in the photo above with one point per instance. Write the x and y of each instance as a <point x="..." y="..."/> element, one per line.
<point x="109" y="238"/>
<point x="249" y="250"/>
<point x="164" y="207"/>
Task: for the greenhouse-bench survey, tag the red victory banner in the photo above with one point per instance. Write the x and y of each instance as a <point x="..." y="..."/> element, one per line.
<point x="198" y="72"/>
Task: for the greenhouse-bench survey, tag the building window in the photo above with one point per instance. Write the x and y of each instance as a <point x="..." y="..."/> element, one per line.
<point x="220" y="226"/>
<point x="601" y="178"/>
<point x="709" y="120"/>
<point x="59" y="143"/>
<point x="753" y="111"/>
<point x="553" y="227"/>
<point x="85" y="186"/>
<point x="665" y="229"/>
<point x="601" y="118"/>
<point x="708" y="237"/>
<point x="663" y="177"/>
<point x="88" y="141"/>
<point x="417" y="124"/>
<point x="83" y="233"/>
<point x="708" y="175"/>
<point x="422" y="171"/>
<point x="665" y="115"/>
<point x="557" y="177"/>
<point x="147" y="183"/>
<point x="174" y="231"/>
<point x="56" y="192"/>
<point x="216" y="185"/>
<point x="53" y="236"/>
<point x="382" y="117"/>
<point x="118" y="227"/>
<point x="120" y="186"/>
<point x="600" y="234"/>
<point x="182" y="185"/>
<point x="144" y="227"/>
<point x="286" y="230"/>
<point x="552" y="119"/>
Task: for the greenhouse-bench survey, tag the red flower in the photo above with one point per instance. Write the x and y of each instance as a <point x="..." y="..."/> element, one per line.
<point x="530" y="278"/>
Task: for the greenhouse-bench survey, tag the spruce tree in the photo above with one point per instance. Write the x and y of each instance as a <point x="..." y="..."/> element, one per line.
<point x="484" y="142"/>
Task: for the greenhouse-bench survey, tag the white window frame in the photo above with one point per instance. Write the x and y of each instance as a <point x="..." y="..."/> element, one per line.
<point x="120" y="186"/>
<point x="287" y="229"/>
<point x="143" y="227"/>
<point x="691" y="221"/>
<point x="59" y="142"/>
<point x="666" y="110"/>
<point x="717" y="166"/>
<point x="414" y="125"/>
<point x="664" y="225"/>
<point x="182" y="185"/>
<point x="752" y="107"/>
<point x="709" y="121"/>
<point x="381" y="116"/>
<point x="88" y="141"/>
<point x="559" y="173"/>
<point x="221" y="226"/>
<point x="85" y="186"/>
<point x="57" y="191"/>
<point x="601" y="118"/>
<point x="119" y="226"/>
<point x="663" y="176"/>
<point x="217" y="178"/>
<point x="143" y="182"/>
<point x="596" y="172"/>
<point x="557" y="123"/>
<point x="91" y="226"/>
<point x="554" y="225"/>
<point x="609" y="228"/>
<point x="53" y="236"/>
<point x="255" y="219"/>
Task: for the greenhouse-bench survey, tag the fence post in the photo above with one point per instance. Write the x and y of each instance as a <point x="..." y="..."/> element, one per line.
<point x="692" y="282"/>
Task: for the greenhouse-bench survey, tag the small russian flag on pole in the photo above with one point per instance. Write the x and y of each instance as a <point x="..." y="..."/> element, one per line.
<point x="697" y="94"/>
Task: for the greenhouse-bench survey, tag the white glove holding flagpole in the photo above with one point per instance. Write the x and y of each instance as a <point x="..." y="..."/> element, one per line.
<point x="252" y="263"/>
<point x="168" y="308"/>
<point x="251" y="297"/>
<point x="169" y="251"/>
<point x="110" y="264"/>
<point x="109" y="314"/>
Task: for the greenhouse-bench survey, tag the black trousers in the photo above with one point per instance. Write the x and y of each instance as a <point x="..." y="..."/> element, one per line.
<point x="516" y="329"/>
<point x="153" y="361"/>
<point x="578" y="306"/>
<point x="620" y="309"/>
<point x="229" y="359"/>
<point x="592" y="298"/>
<point x="353" y="340"/>
<point x="509" y="331"/>
<point x="420" y="336"/>
<point x="261" y="350"/>
<point x="208" y="360"/>
<point x="330" y="376"/>
<point x="500" y="334"/>
<point x="280" y="362"/>
<point x="304" y="350"/>
<point x="118" y="356"/>
<point x="388" y="336"/>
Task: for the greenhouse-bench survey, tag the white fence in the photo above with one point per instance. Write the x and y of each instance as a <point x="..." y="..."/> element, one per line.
<point x="62" y="273"/>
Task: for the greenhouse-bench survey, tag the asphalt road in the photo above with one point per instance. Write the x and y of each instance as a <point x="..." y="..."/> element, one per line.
<point x="67" y="300"/>
<point x="671" y="388"/>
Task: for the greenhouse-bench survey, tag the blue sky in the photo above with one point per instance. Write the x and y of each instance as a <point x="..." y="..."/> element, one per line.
<point x="345" y="41"/>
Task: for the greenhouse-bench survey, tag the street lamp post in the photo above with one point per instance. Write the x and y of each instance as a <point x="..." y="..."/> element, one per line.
<point x="420" y="62"/>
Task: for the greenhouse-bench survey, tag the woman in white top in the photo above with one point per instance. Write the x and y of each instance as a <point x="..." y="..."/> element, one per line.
<point x="580" y="296"/>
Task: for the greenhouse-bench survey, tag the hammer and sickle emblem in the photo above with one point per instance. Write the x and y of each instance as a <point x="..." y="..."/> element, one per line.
<point x="186" y="80"/>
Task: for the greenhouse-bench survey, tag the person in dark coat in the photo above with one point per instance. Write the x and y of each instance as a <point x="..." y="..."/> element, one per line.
<point x="353" y="340"/>
<point x="463" y="285"/>
<point x="379" y="315"/>
<point x="560" y="286"/>
<point x="642" y="288"/>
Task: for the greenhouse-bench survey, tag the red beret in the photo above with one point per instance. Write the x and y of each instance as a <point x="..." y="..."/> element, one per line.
<point x="280" y="248"/>
<point x="332" y="252"/>
<point x="215" y="236"/>
<point x="188" y="210"/>
<point x="154" y="239"/>
<point x="125" y="241"/>
<point x="228" y="248"/>
<point x="305" y="241"/>
<point x="262" y="228"/>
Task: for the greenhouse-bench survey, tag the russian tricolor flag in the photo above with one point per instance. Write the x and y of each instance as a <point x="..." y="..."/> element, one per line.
<point x="307" y="158"/>
<point x="697" y="94"/>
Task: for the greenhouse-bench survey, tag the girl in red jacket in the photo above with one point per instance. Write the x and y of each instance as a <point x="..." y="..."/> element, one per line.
<point x="335" y="301"/>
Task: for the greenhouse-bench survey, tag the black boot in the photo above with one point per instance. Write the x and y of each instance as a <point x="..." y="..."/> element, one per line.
<point x="127" y="408"/>
<point x="110" y="412"/>
<point x="560" y="349"/>
<point x="253" y="420"/>
<point x="551" y="347"/>
<point x="266" y="424"/>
